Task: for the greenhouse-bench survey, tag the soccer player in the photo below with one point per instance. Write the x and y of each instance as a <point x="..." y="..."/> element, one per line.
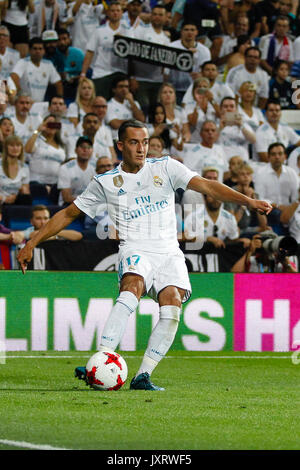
<point x="139" y="194"/>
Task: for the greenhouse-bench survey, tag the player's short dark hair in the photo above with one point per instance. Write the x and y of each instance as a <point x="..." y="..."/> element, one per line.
<point x="129" y="123"/>
<point x="276" y="144"/>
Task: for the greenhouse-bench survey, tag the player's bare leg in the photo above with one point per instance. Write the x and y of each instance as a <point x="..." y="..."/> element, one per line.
<point x="162" y="336"/>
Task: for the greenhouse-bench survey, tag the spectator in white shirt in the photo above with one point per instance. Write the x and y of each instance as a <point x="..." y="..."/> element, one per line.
<point x="9" y="57"/>
<point x="103" y="136"/>
<point x="146" y="78"/>
<point x="205" y="107"/>
<point x="75" y="175"/>
<point x="132" y="14"/>
<point x="174" y="114"/>
<point x="277" y="45"/>
<point x="99" y="52"/>
<point x="47" y="153"/>
<point x="33" y="74"/>
<point x="122" y="105"/>
<point x="219" y="90"/>
<point x="274" y="131"/>
<point x="277" y="183"/>
<point x="234" y="135"/>
<point x="208" y="153"/>
<point x="85" y="17"/>
<point x="14" y="173"/>
<point x="201" y="54"/>
<point x="83" y="103"/>
<point x="24" y="123"/>
<point x="250" y="72"/>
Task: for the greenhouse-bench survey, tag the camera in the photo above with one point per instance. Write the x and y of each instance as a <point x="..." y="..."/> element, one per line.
<point x="280" y="245"/>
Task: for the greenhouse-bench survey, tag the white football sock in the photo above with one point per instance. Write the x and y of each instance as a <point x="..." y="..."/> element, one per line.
<point x="161" y="338"/>
<point x="116" y="323"/>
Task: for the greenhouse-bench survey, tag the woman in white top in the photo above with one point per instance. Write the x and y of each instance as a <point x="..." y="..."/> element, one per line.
<point x="83" y="102"/>
<point x="14" y="15"/>
<point x="14" y="174"/>
<point x="251" y="115"/>
<point x="6" y="129"/>
<point x="204" y="108"/>
<point x="174" y="114"/>
<point x="46" y="154"/>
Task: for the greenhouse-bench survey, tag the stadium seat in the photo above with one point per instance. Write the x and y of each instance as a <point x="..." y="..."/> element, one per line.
<point x="291" y="117"/>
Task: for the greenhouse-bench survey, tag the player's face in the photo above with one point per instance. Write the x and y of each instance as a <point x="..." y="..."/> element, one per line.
<point x="40" y="218"/>
<point x="134" y="148"/>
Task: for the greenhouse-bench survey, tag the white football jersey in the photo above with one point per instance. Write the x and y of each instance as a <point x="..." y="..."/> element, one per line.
<point x="71" y="176"/>
<point x="8" y="61"/>
<point x="141" y="205"/>
<point x="10" y="186"/>
<point x="35" y="80"/>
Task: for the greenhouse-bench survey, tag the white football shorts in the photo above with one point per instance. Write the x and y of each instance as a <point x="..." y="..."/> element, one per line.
<point x="158" y="270"/>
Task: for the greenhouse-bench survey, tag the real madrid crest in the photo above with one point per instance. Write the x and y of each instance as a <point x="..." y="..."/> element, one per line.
<point x="118" y="181"/>
<point x="157" y="181"/>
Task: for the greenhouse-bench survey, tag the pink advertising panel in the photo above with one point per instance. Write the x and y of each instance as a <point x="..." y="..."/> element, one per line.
<point x="266" y="312"/>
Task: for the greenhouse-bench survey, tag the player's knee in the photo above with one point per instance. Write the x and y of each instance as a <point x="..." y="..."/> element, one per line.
<point x="171" y="296"/>
<point x="170" y="312"/>
<point x="129" y="300"/>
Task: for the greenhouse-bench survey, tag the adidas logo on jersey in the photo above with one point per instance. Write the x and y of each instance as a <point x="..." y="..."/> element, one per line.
<point x="121" y="192"/>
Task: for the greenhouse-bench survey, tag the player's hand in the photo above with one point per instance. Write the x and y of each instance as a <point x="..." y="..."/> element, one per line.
<point x="24" y="256"/>
<point x="262" y="207"/>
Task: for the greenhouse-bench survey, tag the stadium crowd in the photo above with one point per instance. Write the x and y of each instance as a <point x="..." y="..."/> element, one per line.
<point x="64" y="94"/>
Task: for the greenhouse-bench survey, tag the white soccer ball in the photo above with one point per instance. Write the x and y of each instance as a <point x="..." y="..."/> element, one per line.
<point x="106" y="371"/>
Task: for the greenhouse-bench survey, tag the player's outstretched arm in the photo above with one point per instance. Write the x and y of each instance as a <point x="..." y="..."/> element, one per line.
<point x="59" y="221"/>
<point x="224" y="193"/>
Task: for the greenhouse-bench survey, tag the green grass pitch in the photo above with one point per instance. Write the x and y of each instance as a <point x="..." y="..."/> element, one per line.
<point x="212" y="401"/>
